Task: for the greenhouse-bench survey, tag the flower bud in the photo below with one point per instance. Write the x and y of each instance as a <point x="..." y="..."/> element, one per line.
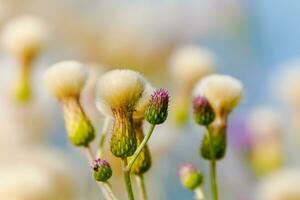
<point x="203" y="112"/>
<point x="143" y="162"/>
<point x="157" y="109"/>
<point x="101" y="170"/>
<point x="190" y="177"/>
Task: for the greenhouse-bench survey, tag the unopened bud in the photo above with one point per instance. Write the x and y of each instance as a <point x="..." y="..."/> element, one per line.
<point x="157" y="109"/>
<point x="101" y="170"/>
<point x="190" y="177"/>
<point x="203" y="112"/>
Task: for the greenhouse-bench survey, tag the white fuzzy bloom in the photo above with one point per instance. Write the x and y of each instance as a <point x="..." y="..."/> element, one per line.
<point x="65" y="79"/>
<point x="119" y="89"/>
<point x="143" y="101"/>
<point x="24" y="36"/>
<point x="222" y="91"/>
<point x="264" y="122"/>
<point x="283" y="185"/>
<point x="190" y="63"/>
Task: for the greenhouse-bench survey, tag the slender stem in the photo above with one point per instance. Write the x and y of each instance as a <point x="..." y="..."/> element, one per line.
<point x="109" y="190"/>
<point x="140" y="148"/>
<point x="213" y="171"/>
<point x="90" y="155"/>
<point x="103" y="137"/>
<point x="199" y="194"/>
<point x="127" y="180"/>
<point x="213" y="176"/>
<point x="141" y="184"/>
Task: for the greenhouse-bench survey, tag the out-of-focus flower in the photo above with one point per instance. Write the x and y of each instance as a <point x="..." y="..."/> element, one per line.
<point x="120" y="90"/>
<point x="65" y="81"/>
<point x="222" y="91"/>
<point x="190" y="63"/>
<point x="190" y="177"/>
<point x="265" y="128"/>
<point x="24" y="38"/>
<point x="282" y="185"/>
<point x="187" y="65"/>
<point x="37" y="173"/>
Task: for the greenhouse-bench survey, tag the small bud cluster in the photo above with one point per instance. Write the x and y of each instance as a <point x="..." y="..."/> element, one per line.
<point x="101" y="170"/>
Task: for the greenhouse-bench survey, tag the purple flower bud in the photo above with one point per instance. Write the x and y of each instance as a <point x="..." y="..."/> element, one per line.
<point x="157" y="109"/>
<point x="203" y="112"/>
<point x="101" y="169"/>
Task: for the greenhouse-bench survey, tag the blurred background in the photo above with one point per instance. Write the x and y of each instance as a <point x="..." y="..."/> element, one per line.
<point x="255" y="41"/>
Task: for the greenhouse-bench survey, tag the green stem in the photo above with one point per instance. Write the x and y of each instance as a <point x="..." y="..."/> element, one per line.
<point x="140" y="148"/>
<point x="141" y="184"/>
<point x="213" y="176"/>
<point x="127" y="180"/>
<point x="107" y="186"/>
<point x="213" y="170"/>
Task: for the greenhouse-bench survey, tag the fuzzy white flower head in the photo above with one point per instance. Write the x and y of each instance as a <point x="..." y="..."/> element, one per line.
<point x="263" y="122"/>
<point x="143" y="101"/>
<point x="223" y="92"/>
<point x="119" y="89"/>
<point x="65" y="79"/>
<point x="283" y="185"/>
<point x="190" y="63"/>
<point x="24" y="36"/>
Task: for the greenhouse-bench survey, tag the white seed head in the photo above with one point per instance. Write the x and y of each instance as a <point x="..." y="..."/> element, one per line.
<point x="65" y="79"/>
<point x="141" y="105"/>
<point x="283" y="185"/>
<point x="24" y="36"/>
<point x="264" y="122"/>
<point x="120" y="88"/>
<point x="190" y="63"/>
<point x="222" y="91"/>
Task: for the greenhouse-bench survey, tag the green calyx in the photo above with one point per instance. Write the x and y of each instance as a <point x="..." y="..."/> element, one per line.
<point x="143" y="162"/>
<point x="123" y="141"/>
<point x="79" y="128"/>
<point x="214" y="145"/>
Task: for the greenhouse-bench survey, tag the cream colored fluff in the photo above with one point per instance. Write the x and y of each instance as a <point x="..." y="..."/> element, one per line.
<point x="119" y="89"/>
<point x="65" y="79"/>
<point x="264" y="122"/>
<point x="222" y="91"/>
<point x="282" y="185"/>
<point x="24" y="36"/>
<point x="143" y="101"/>
<point x="190" y="63"/>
